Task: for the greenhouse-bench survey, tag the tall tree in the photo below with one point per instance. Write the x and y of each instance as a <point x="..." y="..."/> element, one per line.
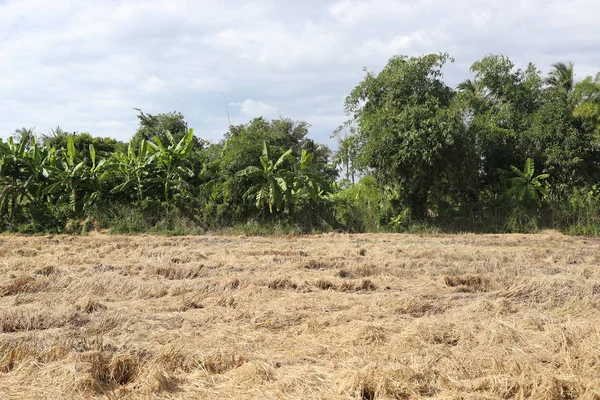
<point x="346" y="155"/>
<point x="499" y="105"/>
<point x="158" y="125"/>
<point x="409" y="133"/>
<point x="562" y="76"/>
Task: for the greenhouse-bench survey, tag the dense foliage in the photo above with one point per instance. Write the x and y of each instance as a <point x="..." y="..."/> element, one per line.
<point x="506" y="150"/>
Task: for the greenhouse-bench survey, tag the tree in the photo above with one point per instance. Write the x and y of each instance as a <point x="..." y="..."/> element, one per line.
<point x="527" y="186"/>
<point x="58" y="138"/>
<point x="275" y="188"/>
<point x="559" y="145"/>
<point x="562" y="76"/>
<point x="24" y="171"/>
<point x="346" y="155"/>
<point x="498" y="105"/>
<point x="21" y="133"/>
<point x="408" y="132"/>
<point x="587" y="109"/>
<point x="280" y="187"/>
<point x="173" y="166"/>
<point x="135" y="169"/>
<point x="158" y="125"/>
<point x="71" y="177"/>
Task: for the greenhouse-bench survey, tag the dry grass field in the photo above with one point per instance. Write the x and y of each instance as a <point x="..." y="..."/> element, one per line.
<point x="316" y="317"/>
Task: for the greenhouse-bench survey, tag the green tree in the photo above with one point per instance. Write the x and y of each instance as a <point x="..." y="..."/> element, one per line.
<point x="587" y="110"/>
<point x="275" y="188"/>
<point x="158" y="125"/>
<point x="104" y="147"/>
<point x="281" y="186"/>
<point x="562" y="76"/>
<point x="72" y="178"/>
<point x="346" y="155"/>
<point x="24" y="171"/>
<point x="135" y="170"/>
<point x="559" y="145"/>
<point x="173" y="164"/>
<point x="525" y="186"/>
<point x="498" y="105"/>
<point x="410" y="135"/>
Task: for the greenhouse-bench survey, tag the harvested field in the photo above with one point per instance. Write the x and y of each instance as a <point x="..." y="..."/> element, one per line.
<point x="317" y="317"/>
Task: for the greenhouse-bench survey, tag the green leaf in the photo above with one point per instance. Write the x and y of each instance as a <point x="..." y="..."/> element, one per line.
<point x="529" y="168"/>
<point x="282" y="159"/>
<point x="518" y="172"/>
<point x="185" y="171"/>
<point x="93" y="156"/>
<point x="534" y="196"/>
<point x="305" y="159"/>
<point x="143" y="149"/>
<point x="250" y="171"/>
<point x="266" y="151"/>
<point x="77" y="168"/>
<point x="55" y="187"/>
<point x="159" y="144"/>
<point x="169" y="136"/>
<point x="543" y="191"/>
<point x="123" y="186"/>
<point x="186" y="142"/>
<point x="276" y="195"/>
<point x="282" y="183"/>
<point x="265" y="163"/>
<point x="70" y="148"/>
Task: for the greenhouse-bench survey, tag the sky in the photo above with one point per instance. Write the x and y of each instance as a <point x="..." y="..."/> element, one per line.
<point x="86" y="65"/>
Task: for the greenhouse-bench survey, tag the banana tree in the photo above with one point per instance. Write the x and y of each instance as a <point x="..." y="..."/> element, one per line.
<point x="281" y="188"/>
<point x="308" y="177"/>
<point x="276" y="182"/>
<point x="172" y="161"/>
<point x="527" y="186"/>
<point x="135" y="169"/>
<point x="24" y="171"/>
<point x="71" y="177"/>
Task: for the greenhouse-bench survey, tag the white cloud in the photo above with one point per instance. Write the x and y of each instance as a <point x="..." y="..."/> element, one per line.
<point x="355" y="11"/>
<point x="209" y="85"/>
<point x="253" y="108"/>
<point x="153" y="85"/>
<point x="86" y="64"/>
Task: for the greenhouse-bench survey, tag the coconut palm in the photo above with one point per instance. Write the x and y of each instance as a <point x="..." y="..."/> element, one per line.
<point x="562" y="76"/>
<point x="468" y="85"/>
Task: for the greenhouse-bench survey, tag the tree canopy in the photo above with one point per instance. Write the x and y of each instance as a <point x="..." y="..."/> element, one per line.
<point x="507" y="149"/>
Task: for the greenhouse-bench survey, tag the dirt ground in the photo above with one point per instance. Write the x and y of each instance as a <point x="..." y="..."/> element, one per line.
<point x="313" y="317"/>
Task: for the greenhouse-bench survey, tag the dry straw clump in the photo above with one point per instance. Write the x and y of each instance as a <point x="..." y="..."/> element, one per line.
<point x="326" y="317"/>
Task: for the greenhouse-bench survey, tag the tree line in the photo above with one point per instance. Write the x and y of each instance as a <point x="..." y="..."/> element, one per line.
<point x="507" y="150"/>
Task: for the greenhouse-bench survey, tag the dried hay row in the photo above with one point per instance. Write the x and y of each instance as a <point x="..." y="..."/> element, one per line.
<point x="329" y="317"/>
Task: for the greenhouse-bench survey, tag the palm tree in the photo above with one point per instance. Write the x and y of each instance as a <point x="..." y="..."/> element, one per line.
<point x="474" y="93"/>
<point x="468" y="85"/>
<point x="562" y="76"/>
<point x="347" y="155"/>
